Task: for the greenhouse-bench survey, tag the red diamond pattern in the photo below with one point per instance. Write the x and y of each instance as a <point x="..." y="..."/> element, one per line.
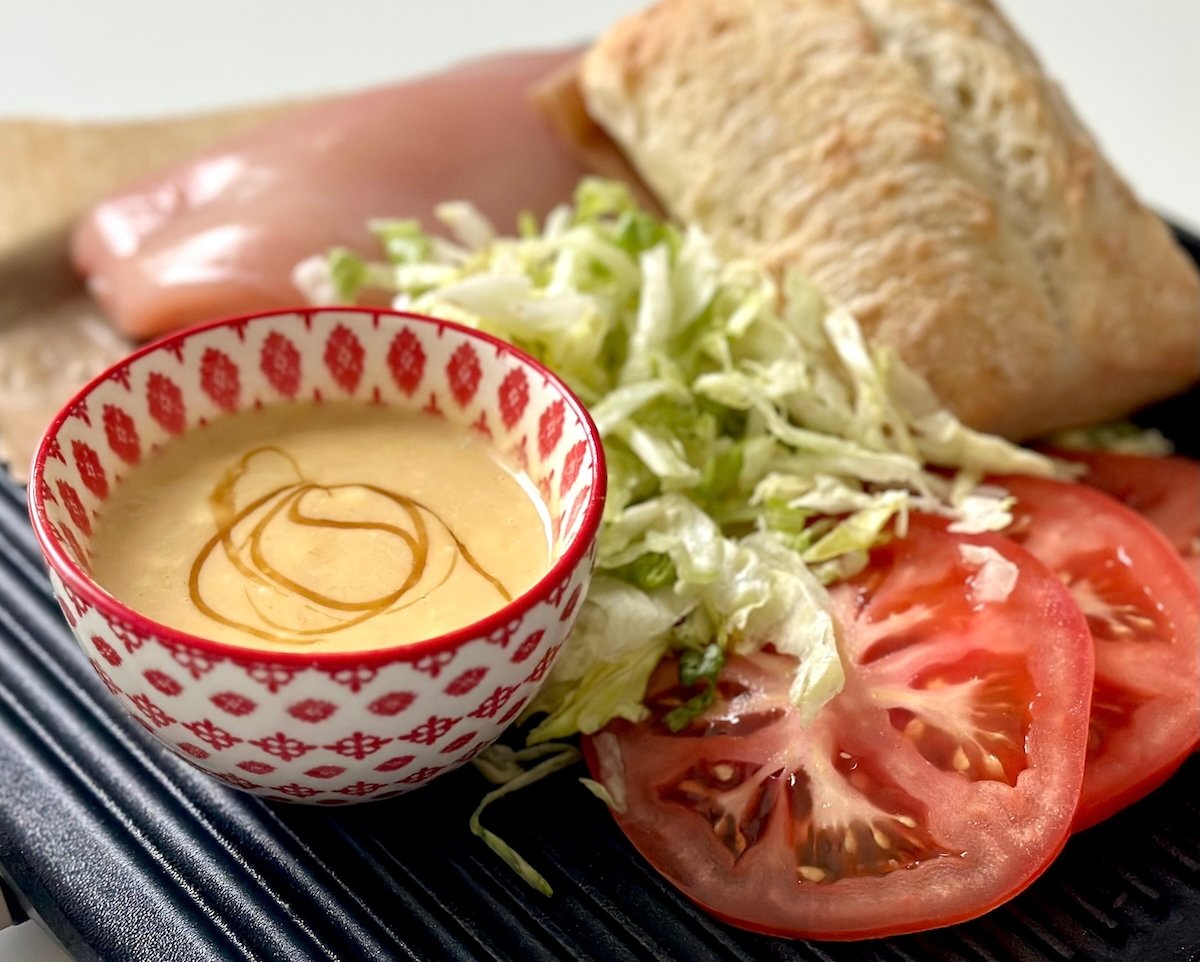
<point x="571" y="466"/>
<point x="463" y="373"/>
<point x="233" y="703"/>
<point x="219" y="379"/>
<point x="550" y="428"/>
<point x="164" y="400"/>
<point x="344" y="358"/>
<point x="392" y="703"/>
<point x="75" y="508"/>
<point x="280" y="363"/>
<point x="122" y="434"/>
<point x="460" y="742"/>
<point x="91" y="472"/>
<point x="528" y="646"/>
<point x="465" y="682"/>
<point x="569" y="608"/>
<point x="392" y="764"/>
<point x="326" y="771"/>
<point x="162" y="681"/>
<point x="106" y="651"/>
<point x="514" y="397"/>
<point x="311" y="710"/>
<point x="406" y="361"/>
<point x="256" y="768"/>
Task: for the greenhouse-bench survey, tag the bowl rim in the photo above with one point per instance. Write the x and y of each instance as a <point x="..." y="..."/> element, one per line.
<point x="79" y="582"/>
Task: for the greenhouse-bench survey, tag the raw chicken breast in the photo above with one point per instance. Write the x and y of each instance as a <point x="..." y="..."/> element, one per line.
<point x="221" y="234"/>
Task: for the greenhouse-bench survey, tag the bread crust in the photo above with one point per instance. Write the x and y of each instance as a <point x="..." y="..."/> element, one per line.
<point x="912" y="158"/>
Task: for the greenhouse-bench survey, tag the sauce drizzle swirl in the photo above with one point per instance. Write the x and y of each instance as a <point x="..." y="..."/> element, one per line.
<point x="286" y="505"/>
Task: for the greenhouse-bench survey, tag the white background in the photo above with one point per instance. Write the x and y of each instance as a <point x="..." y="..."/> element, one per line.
<point x="1131" y="68"/>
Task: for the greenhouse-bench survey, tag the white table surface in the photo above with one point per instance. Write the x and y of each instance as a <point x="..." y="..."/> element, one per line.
<point x="1132" y="70"/>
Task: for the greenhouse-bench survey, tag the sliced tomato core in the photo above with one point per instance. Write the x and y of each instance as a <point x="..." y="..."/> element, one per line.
<point x="729" y="796"/>
<point x="974" y="719"/>
<point x="937" y="784"/>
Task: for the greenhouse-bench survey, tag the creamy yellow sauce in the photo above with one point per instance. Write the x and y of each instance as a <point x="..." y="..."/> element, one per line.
<point x="329" y="527"/>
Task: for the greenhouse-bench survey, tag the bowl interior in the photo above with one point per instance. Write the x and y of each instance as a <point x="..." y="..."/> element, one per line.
<point x="384" y="358"/>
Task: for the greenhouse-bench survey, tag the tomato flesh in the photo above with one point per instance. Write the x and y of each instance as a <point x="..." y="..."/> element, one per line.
<point x="936" y="785"/>
<point x="1143" y="610"/>
<point x="1166" y="491"/>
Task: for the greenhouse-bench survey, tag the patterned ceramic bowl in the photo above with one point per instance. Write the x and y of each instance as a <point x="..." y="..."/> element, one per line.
<point x="325" y="728"/>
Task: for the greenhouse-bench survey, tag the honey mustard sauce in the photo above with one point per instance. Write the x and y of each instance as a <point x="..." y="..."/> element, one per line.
<point x="326" y="526"/>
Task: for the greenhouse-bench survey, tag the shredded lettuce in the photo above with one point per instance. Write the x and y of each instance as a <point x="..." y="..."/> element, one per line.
<point x="757" y="446"/>
<point x="1122" y="437"/>
<point x="504" y="766"/>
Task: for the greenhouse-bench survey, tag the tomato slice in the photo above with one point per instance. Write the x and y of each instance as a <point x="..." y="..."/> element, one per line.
<point x="936" y="785"/>
<point x="1144" y="613"/>
<point x="1166" y="491"/>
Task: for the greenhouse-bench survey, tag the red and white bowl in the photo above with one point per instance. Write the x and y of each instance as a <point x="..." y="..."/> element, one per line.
<point x="324" y="728"/>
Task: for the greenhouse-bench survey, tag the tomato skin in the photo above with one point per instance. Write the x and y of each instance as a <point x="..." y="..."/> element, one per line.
<point x="751" y="812"/>
<point x="1144" y="611"/>
<point x="1165" y="490"/>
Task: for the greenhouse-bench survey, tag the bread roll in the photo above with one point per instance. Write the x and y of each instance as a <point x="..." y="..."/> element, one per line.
<point x="912" y="159"/>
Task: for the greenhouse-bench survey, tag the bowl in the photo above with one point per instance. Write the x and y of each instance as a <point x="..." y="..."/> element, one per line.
<point x="324" y="728"/>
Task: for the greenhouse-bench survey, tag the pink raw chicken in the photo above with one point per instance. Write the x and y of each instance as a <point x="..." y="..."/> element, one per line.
<point x="221" y="234"/>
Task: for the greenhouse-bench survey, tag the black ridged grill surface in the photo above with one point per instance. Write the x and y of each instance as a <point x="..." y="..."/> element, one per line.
<point x="128" y="854"/>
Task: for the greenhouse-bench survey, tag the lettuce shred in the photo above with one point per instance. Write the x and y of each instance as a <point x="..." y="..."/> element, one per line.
<point x="757" y="446"/>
